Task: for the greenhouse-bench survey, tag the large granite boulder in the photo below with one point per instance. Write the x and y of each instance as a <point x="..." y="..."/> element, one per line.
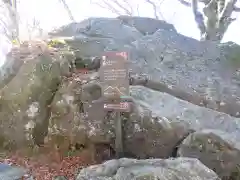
<point x="8" y="172"/>
<point x="11" y="66"/>
<point x="149" y="169"/>
<point x="100" y="27"/>
<point x="25" y="100"/>
<point x="158" y="123"/>
<point x="194" y="71"/>
<point x="66" y="121"/>
<point x="145" y="136"/>
<point x="172" y="76"/>
<point x="146" y="25"/>
<point x="176" y="110"/>
<point x="199" y="72"/>
<point x="218" y="150"/>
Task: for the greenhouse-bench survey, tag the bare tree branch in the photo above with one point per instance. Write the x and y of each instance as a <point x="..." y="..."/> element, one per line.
<point x="68" y="10"/>
<point x="116" y="7"/>
<point x="124" y="7"/>
<point x="34" y="27"/>
<point x="128" y="12"/>
<point x="11" y="6"/>
<point x="138" y="13"/>
<point x="236" y="9"/>
<point x="218" y="18"/>
<point x="9" y="2"/>
<point x="154" y="8"/>
<point x="110" y="7"/>
<point x="5" y="30"/>
<point x="129" y="5"/>
<point x="185" y="3"/>
<point x="227" y="10"/>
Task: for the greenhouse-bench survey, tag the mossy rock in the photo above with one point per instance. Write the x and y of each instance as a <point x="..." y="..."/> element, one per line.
<point x="35" y="84"/>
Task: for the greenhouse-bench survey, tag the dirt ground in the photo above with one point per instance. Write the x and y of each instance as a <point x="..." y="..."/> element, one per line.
<point x="47" y="164"/>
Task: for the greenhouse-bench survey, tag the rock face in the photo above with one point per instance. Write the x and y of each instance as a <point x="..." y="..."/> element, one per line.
<point x="146" y="25"/>
<point x="9" y="173"/>
<point x="176" y="110"/>
<point x="216" y="149"/>
<point x="24" y="100"/>
<point x="198" y="72"/>
<point x="128" y="169"/>
<point x="179" y="88"/>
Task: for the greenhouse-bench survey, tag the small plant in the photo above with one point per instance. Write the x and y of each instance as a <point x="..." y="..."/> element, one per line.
<point x="55" y="43"/>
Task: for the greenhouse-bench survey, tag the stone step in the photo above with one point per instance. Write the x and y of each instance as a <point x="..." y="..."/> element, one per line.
<point x="8" y="172"/>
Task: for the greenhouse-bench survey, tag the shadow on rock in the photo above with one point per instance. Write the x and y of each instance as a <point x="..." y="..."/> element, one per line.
<point x="217" y="150"/>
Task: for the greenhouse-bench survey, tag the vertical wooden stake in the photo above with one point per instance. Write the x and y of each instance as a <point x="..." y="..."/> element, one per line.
<point x="119" y="136"/>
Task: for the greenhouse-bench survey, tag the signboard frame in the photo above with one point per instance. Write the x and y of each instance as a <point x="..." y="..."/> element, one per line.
<point x="114" y="76"/>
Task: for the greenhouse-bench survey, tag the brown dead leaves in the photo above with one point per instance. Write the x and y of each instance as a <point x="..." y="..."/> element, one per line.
<point x="49" y="164"/>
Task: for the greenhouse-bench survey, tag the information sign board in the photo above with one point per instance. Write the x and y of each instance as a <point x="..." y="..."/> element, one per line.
<point x="115" y="81"/>
<point x="114" y="75"/>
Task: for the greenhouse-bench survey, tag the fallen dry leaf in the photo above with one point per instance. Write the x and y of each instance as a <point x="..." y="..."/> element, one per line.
<point x="46" y="166"/>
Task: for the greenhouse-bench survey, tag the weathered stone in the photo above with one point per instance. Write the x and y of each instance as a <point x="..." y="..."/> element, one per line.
<point x="100" y="27"/>
<point x="67" y="107"/>
<point x="192" y="70"/>
<point x="158" y="136"/>
<point x="8" y="172"/>
<point x="14" y="60"/>
<point x="147" y="136"/>
<point x="146" y="25"/>
<point x="65" y="119"/>
<point x="93" y="46"/>
<point x="216" y="149"/>
<point x="197" y="72"/>
<point x="60" y="178"/>
<point x="24" y="100"/>
<point x="176" y="110"/>
<point x="149" y="169"/>
<point x="9" y="69"/>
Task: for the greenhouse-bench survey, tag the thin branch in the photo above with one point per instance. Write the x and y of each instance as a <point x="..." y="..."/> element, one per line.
<point x="9" y="2"/>
<point x="236" y="9"/>
<point x="122" y="7"/>
<point x="68" y="10"/>
<point x="105" y="4"/>
<point x="227" y="10"/>
<point x="110" y="7"/>
<point x="188" y="4"/>
<point x="4" y="29"/>
<point x="154" y="8"/>
<point x="129" y="5"/>
<point x="12" y="10"/>
<point x="138" y="13"/>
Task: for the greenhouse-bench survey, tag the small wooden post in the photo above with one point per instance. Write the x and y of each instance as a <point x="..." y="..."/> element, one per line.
<point x="119" y="136"/>
<point x="115" y="84"/>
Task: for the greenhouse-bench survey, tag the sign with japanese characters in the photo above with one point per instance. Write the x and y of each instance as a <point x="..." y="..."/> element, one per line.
<point x="114" y="79"/>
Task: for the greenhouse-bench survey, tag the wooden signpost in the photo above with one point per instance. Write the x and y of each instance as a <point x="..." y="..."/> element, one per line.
<point x="115" y="87"/>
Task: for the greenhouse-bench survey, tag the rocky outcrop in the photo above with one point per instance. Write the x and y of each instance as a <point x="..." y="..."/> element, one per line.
<point x="197" y="72"/>
<point x="129" y="169"/>
<point x="179" y="88"/>
<point x="194" y="71"/>
<point x="8" y="172"/>
<point x="216" y="149"/>
<point x="146" y="25"/>
<point x="24" y="101"/>
<point x="176" y="110"/>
